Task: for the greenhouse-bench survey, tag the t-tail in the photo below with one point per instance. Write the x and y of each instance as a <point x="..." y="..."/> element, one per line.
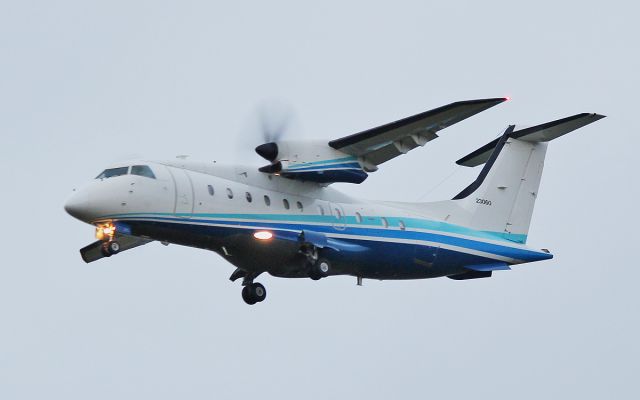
<point x="502" y="198"/>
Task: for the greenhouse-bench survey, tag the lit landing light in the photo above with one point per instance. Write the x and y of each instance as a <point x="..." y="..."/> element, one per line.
<point x="104" y="232"/>
<point x="507" y="98"/>
<point x="263" y="235"/>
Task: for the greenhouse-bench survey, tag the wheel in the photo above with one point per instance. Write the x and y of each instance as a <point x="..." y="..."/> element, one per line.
<point x="110" y="248"/>
<point x="114" y="247"/>
<point x="258" y="292"/>
<point x="254" y="293"/>
<point x="323" y="266"/>
<point x="320" y="269"/>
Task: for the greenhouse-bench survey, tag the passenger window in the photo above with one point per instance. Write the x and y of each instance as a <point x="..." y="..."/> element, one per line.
<point x="285" y="203"/>
<point x="267" y="200"/>
<point x="111" y="172"/>
<point x="385" y="223"/>
<point x="402" y="225"/>
<point x="248" y="197"/>
<point x="229" y="193"/>
<point x="358" y="218"/>
<point x="142" y="170"/>
<point x="210" y="188"/>
<point x="299" y="205"/>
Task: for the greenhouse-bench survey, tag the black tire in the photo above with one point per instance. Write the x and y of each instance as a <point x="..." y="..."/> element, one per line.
<point x="313" y="274"/>
<point x="246" y="296"/>
<point x="320" y="269"/>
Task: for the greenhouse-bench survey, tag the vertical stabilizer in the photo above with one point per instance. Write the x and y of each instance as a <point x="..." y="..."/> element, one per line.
<point x="502" y="198"/>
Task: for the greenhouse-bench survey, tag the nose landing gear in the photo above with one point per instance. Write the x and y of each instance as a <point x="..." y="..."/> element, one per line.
<point x="110" y="248"/>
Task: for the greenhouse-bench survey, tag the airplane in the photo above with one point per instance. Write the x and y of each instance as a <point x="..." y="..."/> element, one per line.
<point x="286" y="219"/>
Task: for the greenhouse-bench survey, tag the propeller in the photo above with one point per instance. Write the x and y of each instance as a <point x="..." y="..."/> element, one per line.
<point x="275" y="120"/>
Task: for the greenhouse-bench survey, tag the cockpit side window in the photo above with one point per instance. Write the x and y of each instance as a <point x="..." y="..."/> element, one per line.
<point x="111" y="172"/>
<point x="142" y="170"/>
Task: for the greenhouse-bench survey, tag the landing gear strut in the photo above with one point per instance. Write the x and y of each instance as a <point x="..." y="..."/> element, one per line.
<point x="318" y="267"/>
<point x="254" y="293"/>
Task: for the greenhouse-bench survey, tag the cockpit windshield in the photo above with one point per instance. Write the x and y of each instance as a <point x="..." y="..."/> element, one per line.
<point x="142" y="170"/>
<point x="111" y="172"/>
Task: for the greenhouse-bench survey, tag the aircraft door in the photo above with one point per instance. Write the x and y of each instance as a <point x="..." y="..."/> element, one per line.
<point x="183" y="192"/>
<point x="339" y="219"/>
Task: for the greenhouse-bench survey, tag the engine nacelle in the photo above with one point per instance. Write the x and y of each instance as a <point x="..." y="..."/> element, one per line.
<point x="313" y="161"/>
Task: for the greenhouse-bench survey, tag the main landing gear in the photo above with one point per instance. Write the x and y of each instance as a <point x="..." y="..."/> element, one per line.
<point x="254" y="293"/>
<point x="319" y="269"/>
<point x="110" y="248"/>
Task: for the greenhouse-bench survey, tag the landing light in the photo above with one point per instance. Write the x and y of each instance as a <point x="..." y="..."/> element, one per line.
<point x="263" y="235"/>
<point x="106" y="231"/>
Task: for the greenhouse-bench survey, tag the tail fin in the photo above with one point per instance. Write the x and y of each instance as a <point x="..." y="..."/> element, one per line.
<point x="502" y="198"/>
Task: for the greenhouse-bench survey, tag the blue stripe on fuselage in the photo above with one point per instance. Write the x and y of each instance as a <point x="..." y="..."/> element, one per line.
<point x="351" y="232"/>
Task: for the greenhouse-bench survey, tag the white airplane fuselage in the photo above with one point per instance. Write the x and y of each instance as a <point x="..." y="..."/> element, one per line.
<point x="221" y="208"/>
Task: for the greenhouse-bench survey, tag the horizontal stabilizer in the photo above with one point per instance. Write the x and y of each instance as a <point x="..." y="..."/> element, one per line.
<point x="470" y="275"/>
<point x="498" y="266"/>
<point x="489" y="267"/>
<point x="540" y="133"/>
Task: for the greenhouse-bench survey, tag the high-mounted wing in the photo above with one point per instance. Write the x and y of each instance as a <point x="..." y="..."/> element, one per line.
<point x="377" y="145"/>
<point x="350" y="158"/>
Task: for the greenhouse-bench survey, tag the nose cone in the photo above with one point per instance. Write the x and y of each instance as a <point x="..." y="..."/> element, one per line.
<point x="78" y="205"/>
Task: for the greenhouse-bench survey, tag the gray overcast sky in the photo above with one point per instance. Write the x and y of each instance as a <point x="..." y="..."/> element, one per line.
<point x="85" y="83"/>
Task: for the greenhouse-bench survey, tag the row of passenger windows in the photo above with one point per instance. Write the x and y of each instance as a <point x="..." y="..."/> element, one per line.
<point x="140" y="170"/>
<point x="249" y="198"/>
<point x="300" y="207"/>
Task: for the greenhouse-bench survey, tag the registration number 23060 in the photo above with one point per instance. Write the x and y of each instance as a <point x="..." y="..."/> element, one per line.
<point x="483" y="201"/>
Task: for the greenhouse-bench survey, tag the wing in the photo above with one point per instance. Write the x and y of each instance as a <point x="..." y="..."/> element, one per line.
<point x="377" y="145"/>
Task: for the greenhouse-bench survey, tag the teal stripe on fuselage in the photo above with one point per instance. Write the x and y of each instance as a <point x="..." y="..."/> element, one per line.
<point x="367" y="221"/>
<point x="517" y="254"/>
